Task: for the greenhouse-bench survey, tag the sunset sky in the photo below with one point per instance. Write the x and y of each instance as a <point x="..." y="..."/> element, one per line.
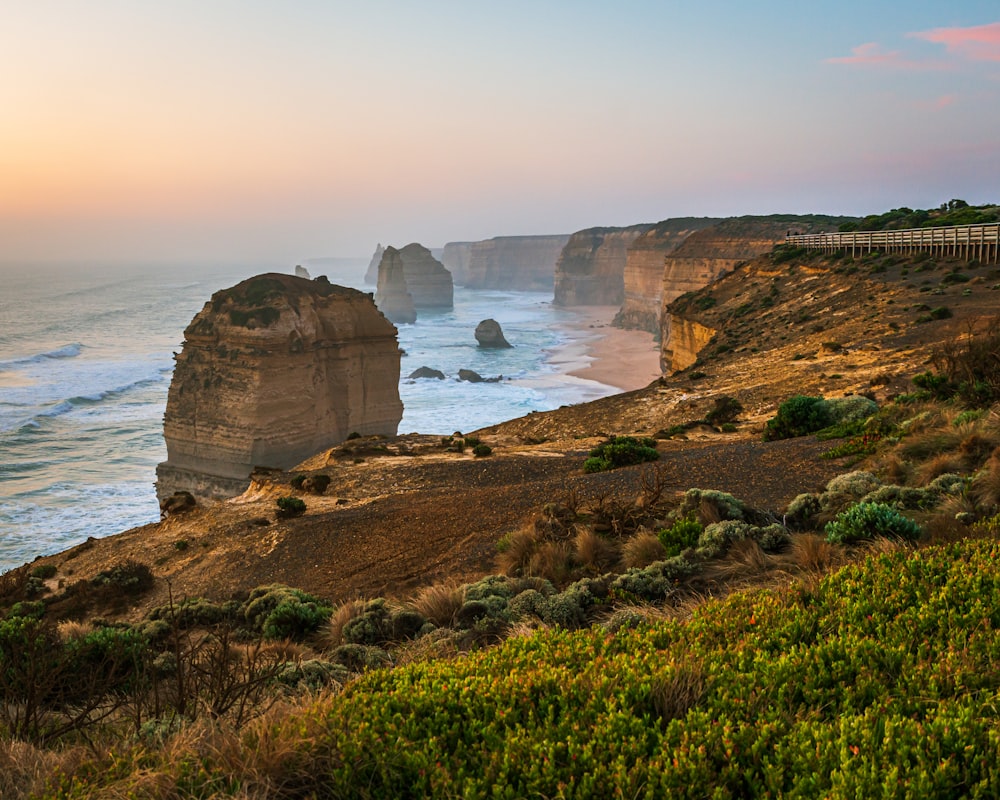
<point x="229" y="130"/>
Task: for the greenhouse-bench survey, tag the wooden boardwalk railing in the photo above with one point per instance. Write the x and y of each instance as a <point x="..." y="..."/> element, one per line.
<point x="971" y="242"/>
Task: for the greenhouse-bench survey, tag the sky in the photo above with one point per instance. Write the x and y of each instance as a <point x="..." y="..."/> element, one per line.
<point x="273" y="131"/>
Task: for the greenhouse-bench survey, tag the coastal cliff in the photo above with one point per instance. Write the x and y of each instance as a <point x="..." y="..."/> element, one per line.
<point x="392" y="297"/>
<point x="707" y="255"/>
<point x="591" y="268"/>
<point x="642" y="277"/>
<point x="519" y="263"/>
<point x="274" y="370"/>
<point x="428" y="282"/>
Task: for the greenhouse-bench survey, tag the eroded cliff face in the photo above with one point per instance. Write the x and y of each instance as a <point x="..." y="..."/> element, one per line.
<point x="517" y="263"/>
<point x="392" y="297"/>
<point x="704" y="257"/>
<point x="642" y="276"/>
<point x="428" y="282"/>
<point x="272" y="371"/>
<point x="591" y="268"/>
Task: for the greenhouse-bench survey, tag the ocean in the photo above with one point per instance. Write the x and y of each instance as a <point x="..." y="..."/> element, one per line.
<point x="86" y="357"/>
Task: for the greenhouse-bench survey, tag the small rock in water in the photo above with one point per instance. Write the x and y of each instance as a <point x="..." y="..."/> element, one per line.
<point x="474" y="377"/>
<point x="489" y="334"/>
<point x="426" y="372"/>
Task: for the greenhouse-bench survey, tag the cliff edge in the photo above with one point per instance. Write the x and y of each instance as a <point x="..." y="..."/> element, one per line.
<point x="273" y="370"/>
<point x="591" y="268"/>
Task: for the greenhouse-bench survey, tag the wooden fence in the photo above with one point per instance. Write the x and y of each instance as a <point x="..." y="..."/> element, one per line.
<point x="971" y="242"/>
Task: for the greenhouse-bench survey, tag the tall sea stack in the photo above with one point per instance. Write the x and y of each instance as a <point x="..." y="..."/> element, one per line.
<point x="273" y="370"/>
<point x="428" y="282"/>
<point x="393" y="296"/>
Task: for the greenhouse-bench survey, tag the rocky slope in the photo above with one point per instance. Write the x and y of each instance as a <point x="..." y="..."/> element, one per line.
<point x="519" y="263"/>
<point x="642" y="276"/>
<point x="590" y="270"/>
<point x="428" y="282"/>
<point x="392" y="296"/>
<point x="272" y="370"/>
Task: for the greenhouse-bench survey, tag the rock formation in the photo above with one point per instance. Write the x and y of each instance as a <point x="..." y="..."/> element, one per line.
<point x="489" y="334"/>
<point x="392" y="295"/>
<point x="428" y="282"/>
<point x="426" y="372"/>
<point x="272" y="371"/>
<point x="643" y="274"/>
<point x="591" y="268"/>
<point x="371" y="274"/>
<point x="471" y="376"/>
<point x="707" y="255"/>
<point x="518" y="263"/>
<point x="302" y="272"/>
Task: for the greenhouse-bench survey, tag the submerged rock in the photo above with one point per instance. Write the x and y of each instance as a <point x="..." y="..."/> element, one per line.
<point x="489" y="334"/>
<point x="272" y="371"/>
<point x="474" y="377"/>
<point x="426" y="372"/>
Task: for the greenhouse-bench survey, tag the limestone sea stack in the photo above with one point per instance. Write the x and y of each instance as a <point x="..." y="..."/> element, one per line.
<point x="272" y="371"/>
<point x="392" y="296"/>
<point x="490" y="335"/>
<point x="371" y="274"/>
<point x="428" y="282"/>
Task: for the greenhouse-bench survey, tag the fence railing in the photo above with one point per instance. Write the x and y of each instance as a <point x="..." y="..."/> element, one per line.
<point x="970" y="242"/>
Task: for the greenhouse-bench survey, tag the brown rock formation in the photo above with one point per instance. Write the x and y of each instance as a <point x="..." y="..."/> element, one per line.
<point x="519" y="263"/>
<point x="591" y="268"/>
<point x="490" y="334"/>
<point x="371" y="274"/>
<point x="707" y="255"/>
<point x="274" y="370"/>
<point x="392" y="295"/>
<point x="643" y="274"/>
<point x="687" y="338"/>
<point x="427" y="280"/>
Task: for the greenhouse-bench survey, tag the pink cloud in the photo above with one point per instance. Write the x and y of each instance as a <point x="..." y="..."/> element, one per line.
<point x="871" y="54"/>
<point x="978" y="43"/>
<point x="937" y="104"/>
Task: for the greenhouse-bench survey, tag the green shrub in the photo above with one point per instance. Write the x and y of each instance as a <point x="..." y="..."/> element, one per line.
<point x="482" y="450"/>
<point x="291" y="506"/>
<point x="280" y="612"/>
<point x="130" y="577"/>
<point x="868" y="520"/>
<point x="296" y="482"/>
<point x="621" y="451"/>
<point x="798" y="416"/>
<point x="655" y="582"/>
<point x="43" y="571"/>
<point x="726" y="409"/>
<point x="680" y="536"/>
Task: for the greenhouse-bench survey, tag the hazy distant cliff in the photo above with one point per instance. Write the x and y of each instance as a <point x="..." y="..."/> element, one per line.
<point x="643" y="273"/>
<point x="272" y="371"/>
<point x="427" y="280"/>
<point x="506" y="262"/>
<point x="591" y="268"/>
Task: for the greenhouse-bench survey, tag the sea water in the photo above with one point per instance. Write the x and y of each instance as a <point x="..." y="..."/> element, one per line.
<point x="86" y="356"/>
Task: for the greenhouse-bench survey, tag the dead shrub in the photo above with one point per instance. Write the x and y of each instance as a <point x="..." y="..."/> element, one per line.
<point x="975" y="449"/>
<point x="678" y="691"/>
<point x="439" y="602"/>
<point x="986" y="484"/>
<point x="594" y="552"/>
<point x="553" y="561"/>
<point x="813" y="553"/>
<point x="517" y="549"/>
<point x="642" y="550"/>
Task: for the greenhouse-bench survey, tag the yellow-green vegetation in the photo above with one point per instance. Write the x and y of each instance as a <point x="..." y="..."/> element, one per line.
<point x="881" y="680"/>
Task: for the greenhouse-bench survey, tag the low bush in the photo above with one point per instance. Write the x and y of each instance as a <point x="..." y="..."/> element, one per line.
<point x="798" y="416"/>
<point x="481" y="450"/>
<point x="621" y="451"/>
<point x="868" y="521"/>
<point x="725" y="409"/>
<point x="291" y="506"/>
<point x="680" y="536"/>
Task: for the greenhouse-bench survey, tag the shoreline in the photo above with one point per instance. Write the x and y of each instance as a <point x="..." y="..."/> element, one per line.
<point x="622" y="359"/>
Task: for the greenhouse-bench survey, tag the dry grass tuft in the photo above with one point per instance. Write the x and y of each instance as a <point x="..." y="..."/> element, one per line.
<point x="813" y="553"/>
<point x="677" y="692"/>
<point x="642" y="550"/>
<point x="25" y="769"/>
<point x="939" y="465"/>
<point x="929" y="443"/>
<point x="975" y="449"/>
<point x="594" y="552"/>
<point x="343" y="614"/>
<point x="70" y="630"/>
<point x="986" y="485"/>
<point x="943" y="528"/>
<point x="440" y="602"/>
<point x="881" y="545"/>
<point x="745" y="558"/>
<point x="896" y="471"/>
<point x="553" y="561"/>
<point x="518" y="547"/>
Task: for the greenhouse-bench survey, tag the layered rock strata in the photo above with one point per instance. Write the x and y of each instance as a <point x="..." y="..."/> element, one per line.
<point x="392" y="296"/>
<point x="591" y="268"/>
<point x="274" y="370"/>
<point x="516" y="263"/>
<point x="704" y="257"/>
<point x="642" y="276"/>
<point x="428" y="282"/>
<point x="371" y="274"/>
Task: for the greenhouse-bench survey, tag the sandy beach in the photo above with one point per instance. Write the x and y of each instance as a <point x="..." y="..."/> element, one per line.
<point x="598" y="352"/>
